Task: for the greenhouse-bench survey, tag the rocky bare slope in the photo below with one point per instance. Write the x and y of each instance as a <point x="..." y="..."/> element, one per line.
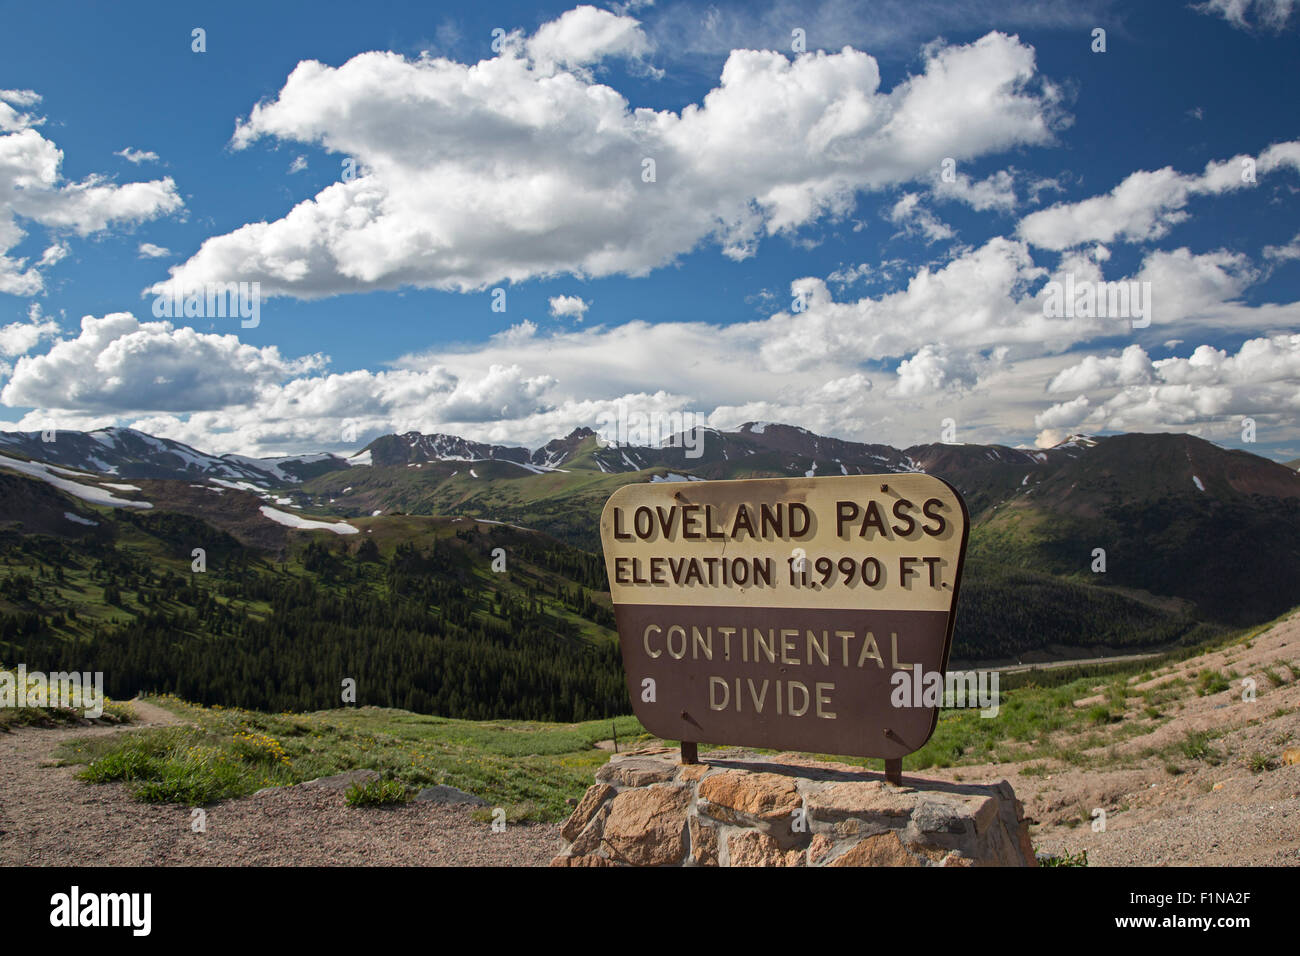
<point x="1212" y="785"/>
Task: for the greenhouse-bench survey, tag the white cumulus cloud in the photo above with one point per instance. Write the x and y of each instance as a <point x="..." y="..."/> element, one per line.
<point x="119" y="364"/>
<point x="917" y="220"/>
<point x="1208" y="387"/>
<point x="509" y="169"/>
<point x="585" y="35"/>
<point x="19" y="338"/>
<point x="1147" y="204"/>
<point x="996" y="191"/>
<point x="568" y="305"/>
<point x="32" y="188"/>
<point x="137" y="156"/>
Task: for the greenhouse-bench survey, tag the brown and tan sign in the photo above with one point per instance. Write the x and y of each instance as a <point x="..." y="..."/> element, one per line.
<point x="776" y="612"/>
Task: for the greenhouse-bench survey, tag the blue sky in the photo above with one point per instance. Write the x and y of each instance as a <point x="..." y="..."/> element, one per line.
<point x="792" y="176"/>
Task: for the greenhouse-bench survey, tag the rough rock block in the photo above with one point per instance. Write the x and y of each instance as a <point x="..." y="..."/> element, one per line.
<point x="743" y="809"/>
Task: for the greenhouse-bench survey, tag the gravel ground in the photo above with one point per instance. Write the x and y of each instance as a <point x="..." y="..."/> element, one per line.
<point x="1220" y="814"/>
<point x="47" y="817"/>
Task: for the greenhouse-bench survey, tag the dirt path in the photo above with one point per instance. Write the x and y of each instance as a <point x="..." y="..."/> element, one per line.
<point x="47" y="817"/>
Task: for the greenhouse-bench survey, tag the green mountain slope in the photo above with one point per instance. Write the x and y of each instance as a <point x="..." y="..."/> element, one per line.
<point x="1175" y="516"/>
<point x="1196" y="538"/>
<point x="1178" y="517"/>
<point x="410" y="609"/>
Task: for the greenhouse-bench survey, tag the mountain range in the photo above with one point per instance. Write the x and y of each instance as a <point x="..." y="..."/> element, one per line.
<point x="1192" y="537"/>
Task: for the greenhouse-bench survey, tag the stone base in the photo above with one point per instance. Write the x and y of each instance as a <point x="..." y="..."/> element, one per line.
<point x="742" y="809"/>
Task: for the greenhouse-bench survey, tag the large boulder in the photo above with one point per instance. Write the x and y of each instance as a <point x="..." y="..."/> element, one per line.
<point x="341" y="781"/>
<point x="743" y="809"/>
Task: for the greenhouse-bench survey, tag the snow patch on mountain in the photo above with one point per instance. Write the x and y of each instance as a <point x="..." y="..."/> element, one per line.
<point x="90" y="493"/>
<point x="238" y="485"/>
<point x="275" y="466"/>
<point x="298" y="522"/>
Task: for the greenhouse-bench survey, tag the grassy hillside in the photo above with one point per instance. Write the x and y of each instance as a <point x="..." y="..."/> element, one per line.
<point x="528" y="768"/>
<point x="1235" y="560"/>
<point x="1179" y="518"/>
<point x="1007" y="613"/>
<point x="1197" y="539"/>
<point x="410" y="609"/>
<point x="1071" y="718"/>
<point x="561" y="504"/>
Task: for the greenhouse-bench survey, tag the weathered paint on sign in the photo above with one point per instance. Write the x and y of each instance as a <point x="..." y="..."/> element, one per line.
<point x="775" y="612"/>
